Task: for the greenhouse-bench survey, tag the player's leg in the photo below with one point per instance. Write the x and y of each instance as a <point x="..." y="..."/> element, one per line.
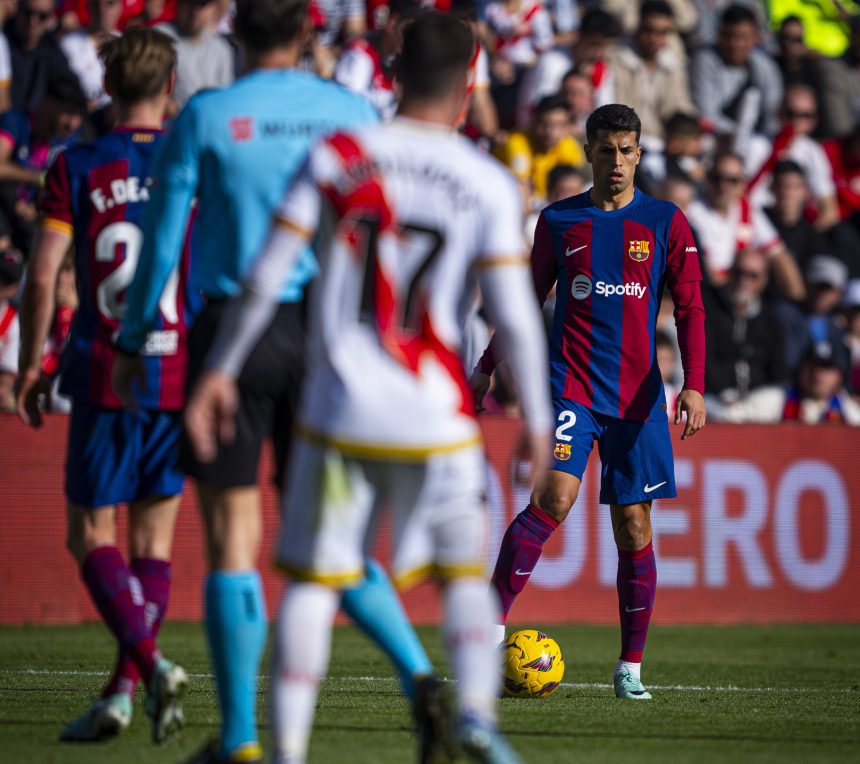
<point x="234" y="608"/>
<point x="440" y="527"/>
<point x="550" y="504"/>
<point x="372" y="604"/>
<point x="327" y="504"/>
<point x="105" y="450"/>
<point x="637" y="467"/>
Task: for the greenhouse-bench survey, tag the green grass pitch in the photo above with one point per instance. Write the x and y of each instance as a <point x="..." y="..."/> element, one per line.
<point x="762" y="694"/>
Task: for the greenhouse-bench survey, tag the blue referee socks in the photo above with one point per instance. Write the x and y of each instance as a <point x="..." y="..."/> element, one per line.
<point x="376" y="609"/>
<point x="236" y="628"/>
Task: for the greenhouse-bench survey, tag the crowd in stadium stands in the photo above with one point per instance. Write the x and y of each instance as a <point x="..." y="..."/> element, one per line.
<point x="750" y="123"/>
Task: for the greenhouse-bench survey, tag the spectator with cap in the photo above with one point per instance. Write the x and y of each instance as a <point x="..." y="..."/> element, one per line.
<point x="37" y="59"/>
<point x="28" y="144"/>
<point x="734" y="84"/>
<point x="650" y="76"/>
<point x="11" y="273"/>
<point x="725" y="222"/>
<point x="815" y="320"/>
<point x="204" y="59"/>
<point x="745" y="344"/>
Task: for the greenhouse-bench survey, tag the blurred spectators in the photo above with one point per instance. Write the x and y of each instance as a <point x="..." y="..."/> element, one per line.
<point x="37" y="59"/>
<point x="366" y="65"/>
<point x="840" y="88"/>
<point x="204" y="59"/>
<point x="667" y="359"/>
<point x="735" y="85"/>
<point x="819" y="396"/>
<point x="6" y="8"/>
<point x="682" y="156"/>
<point x="590" y="56"/>
<point x="745" y="345"/>
<point x="725" y="223"/>
<point x="815" y="320"/>
<point x="531" y="155"/>
<point x="798" y="119"/>
<point x="482" y="121"/>
<point x="81" y="48"/>
<point x="28" y="144"/>
<point x="650" y="76"/>
<point x="825" y="21"/>
<point x="563" y="181"/>
<point x="11" y="273"/>
<point x="340" y="21"/>
<point x="844" y="157"/>
<point x="797" y="63"/>
<point x="578" y="93"/>
<point x="850" y="317"/>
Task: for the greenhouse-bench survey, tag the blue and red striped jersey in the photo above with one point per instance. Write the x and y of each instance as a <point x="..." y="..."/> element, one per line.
<point x="97" y="193"/>
<point x="611" y="268"/>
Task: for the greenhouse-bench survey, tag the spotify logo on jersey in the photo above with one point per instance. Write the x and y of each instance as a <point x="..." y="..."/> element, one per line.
<point x="581" y="287"/>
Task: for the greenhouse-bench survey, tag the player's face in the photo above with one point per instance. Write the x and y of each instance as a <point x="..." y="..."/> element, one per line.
<point x="613" y="158"/>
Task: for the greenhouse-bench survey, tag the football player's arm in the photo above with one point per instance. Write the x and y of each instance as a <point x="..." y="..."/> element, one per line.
<point x="165" y="223"/>
<point x="543" y="277"/>
<point x="211" y="412"/>
<point x="509" y="297"/>
<point x="38" y="300"/>
<point x="684" y="277"/>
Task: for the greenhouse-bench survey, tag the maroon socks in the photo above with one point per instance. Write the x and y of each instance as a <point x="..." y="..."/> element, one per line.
<point x="637" y="584"/>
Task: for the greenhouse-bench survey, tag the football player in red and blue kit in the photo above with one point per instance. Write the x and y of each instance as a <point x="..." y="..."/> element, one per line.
<point x="94" y="198"/>
<point x="610" y="252"/>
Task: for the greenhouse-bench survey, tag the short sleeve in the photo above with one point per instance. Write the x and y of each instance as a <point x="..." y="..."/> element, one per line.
<point x="56" y="198"/>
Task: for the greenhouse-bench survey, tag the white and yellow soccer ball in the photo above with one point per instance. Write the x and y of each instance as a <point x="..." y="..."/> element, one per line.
<point x="533" y="664"/>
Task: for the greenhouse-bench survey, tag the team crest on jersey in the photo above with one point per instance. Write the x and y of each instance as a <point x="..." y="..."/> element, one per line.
<point x="562" y="452"/>
<point x="639" y="251"/>
<point x="241" y="129"/>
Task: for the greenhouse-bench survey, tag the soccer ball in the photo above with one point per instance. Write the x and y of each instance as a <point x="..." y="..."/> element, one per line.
<point x="533" y="665"/>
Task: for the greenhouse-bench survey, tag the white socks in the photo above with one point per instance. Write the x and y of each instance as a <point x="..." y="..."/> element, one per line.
<point x="634" y="668"/>
<point x="302" y="650"/>
<point x="471" y="618"/>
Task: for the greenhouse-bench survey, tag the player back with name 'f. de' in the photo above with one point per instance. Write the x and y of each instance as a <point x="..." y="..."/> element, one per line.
<point x="97" y="193"/>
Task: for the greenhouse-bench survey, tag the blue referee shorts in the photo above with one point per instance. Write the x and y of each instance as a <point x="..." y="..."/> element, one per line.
<point x="636" y="457"/>
<point x="117" y="456"/>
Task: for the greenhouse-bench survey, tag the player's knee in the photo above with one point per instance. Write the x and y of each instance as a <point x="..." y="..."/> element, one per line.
<point x="633" y="532"/>
<point x="556" y="503"/>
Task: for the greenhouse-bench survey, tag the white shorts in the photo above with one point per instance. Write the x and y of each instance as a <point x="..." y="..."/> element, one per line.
<point x="333" y="502"/>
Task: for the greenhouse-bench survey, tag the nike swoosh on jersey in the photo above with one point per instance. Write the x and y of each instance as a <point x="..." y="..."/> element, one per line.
<point x="568" y="252"/>
<point x="649" y="488"/>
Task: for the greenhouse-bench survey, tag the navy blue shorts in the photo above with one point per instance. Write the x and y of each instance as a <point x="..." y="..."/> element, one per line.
<point x="636" y="457"/>
<point x="117" y="456"/>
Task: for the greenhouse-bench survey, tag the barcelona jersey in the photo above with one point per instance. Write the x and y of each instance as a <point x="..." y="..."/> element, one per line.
<point x="97" y="194"/>
<point x="610" y="268"/>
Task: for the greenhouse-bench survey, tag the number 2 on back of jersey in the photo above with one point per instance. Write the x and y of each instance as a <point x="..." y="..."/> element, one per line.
<point x="111" y="291"/>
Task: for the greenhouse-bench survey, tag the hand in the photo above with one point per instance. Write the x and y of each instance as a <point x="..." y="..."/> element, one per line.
<point x="480" y="384"/>
<point x="210" y="416"/>
<point x="29" y="385"/>
<point x="692" y="404"/>
<point x="531" y="460"/>
<point x="128" y="369"/>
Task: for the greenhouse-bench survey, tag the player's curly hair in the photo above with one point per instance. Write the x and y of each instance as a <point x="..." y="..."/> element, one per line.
<point x="612" y="118"/>
<point x="138" y="64"/>
<point x="266" y="24"/>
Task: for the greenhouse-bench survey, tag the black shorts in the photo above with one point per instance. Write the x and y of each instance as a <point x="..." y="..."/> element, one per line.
<point x="269" y="388"/>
